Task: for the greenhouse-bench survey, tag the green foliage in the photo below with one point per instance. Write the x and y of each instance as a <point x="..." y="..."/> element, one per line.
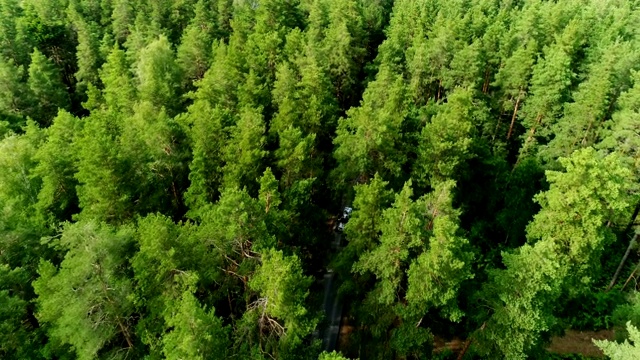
<point x="158" y="75"/>
<point x="193" y="54"/>
<point x="446" y="138"/>
<point x="566" y="239"/>
<point x="176" y="168"/>
<point x="400" y="233"/>
<point x="196" y="334"/>
<point x="282" y="289"/>
<point x="57" y="165"/>
<point x="368" y="141"/>
<point x="622" y="351"/>
<point x="46" y="88"/>
<point x="18" y="336"/>
<point x="595" y="310"/>
<point x="244" y="151"/>
<point x="13" y="103"/>
<point x="435" y="276"/>
<point x="86" y="301"/>
<point x="331" y="356"/>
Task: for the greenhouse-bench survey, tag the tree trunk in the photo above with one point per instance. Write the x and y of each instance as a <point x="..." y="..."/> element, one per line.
<point x="630" y="276"/>
<point x="532" y="132"/>
<point x="633" y="218"/>
<point x="632" y="243"/>
<point x="485" y="85"/>
<point x="513" y="117"/>
<point x="468" y="343"/>
<point x="626" y="254"/>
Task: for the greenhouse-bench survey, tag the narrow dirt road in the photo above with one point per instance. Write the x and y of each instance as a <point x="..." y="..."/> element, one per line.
<point x="579" y="342"/>
<point x="572" y="342"/>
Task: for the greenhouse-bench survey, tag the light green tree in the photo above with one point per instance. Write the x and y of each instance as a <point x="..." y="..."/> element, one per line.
<point x="197" y="333"/>
<point x="86" y="301"/>
<point x="566" y="239"/>
<point x="280" y="310"/>
<point x="194" y="51"/>
<point x="158" y="75"/>
<point x="625" y="350"/>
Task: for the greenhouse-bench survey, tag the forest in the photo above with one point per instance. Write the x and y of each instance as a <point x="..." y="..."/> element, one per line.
<point x="172" y="174"/>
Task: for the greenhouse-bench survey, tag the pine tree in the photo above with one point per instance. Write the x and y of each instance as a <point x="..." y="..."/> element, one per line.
<point x="158" y="76"/>
<point x="153" y="151"/>
<point x="119" y="92"/>
<point x="592" y="104"/>
<point x="344" y="47"/>
<point x="624" y="351"/>
<point x="446" y="139"/>
<point x="219" y="87"/>
<point x="13" y="103"/>
<point x="165" y="269"/>
<point x="46" y="88"/>
<point x="620" y="132"/>
<point x="435" y="276"/>
<point x="85" y="301"/>
<point x="194" y="55"/>
<point x="19" y="337"/>
<point x="13" y="45"/>
<point x="197" y="333"/>
<point x="88" y="50"/>
<point x="244" y="151"/>
<point x="208" y="137"/>
<point x="104" y="191"/>
<point x="550" y="84"/>
<point x="400" y="232"/>
<point x="369" y="139"/>
<point x="57" y="165"/>
<point x="122" y="18"/>
<point x="280" y="307"/>
<point x="566" y="241"/>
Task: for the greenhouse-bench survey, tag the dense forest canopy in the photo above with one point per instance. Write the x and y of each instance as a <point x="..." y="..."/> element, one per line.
<point x="170" y="169"/>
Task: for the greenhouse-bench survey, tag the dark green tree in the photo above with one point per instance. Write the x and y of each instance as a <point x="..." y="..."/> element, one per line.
<point x="47" y="91"/>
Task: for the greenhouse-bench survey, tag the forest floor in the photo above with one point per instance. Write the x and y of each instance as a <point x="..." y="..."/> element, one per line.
<point x="579" y="342"/>
<point x="572" y="342"/>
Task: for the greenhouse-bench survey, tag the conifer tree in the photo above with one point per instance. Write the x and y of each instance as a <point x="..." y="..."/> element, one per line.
<point x="566" y="240"/>
<point x="158" y="76"/>
<point x="86" y="300"/>
<point x="592" y="104"/>
<point x="194" y="51"/>
<point x="197" y="333"/>
<point x="280" y="310"/>
<point x="57" y="165"/>
<point x="122" y="18"/>
<point x="104" y="191"/>
<point x="88" y="50"/>
<point x="19" y="337"/>
<point x="369" y="139"/>
<point x="13" y="104"/>
<point x="446" y="139"/>
<point x="400" y="233"/>
<point x="244" y="150"/>
<point x="13" y="45"/>
<point x="119" y="92"/>
<point x="624" y="351"/>
<point x="207" y="138"/>
<point x="46" y="88"/>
